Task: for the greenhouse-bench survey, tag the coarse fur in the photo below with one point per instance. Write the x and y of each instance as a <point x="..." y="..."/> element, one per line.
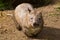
<point x="29" y="19"/>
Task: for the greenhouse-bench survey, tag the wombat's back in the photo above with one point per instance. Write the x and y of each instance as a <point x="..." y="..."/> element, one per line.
<point x="23" y="7"/>
<point x="21" y="11"/>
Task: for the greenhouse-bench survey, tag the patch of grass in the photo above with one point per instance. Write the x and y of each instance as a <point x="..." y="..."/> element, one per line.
<point x="58" y="8"/>
<point x="54" y="14"/>
<point x="5" y="4"/>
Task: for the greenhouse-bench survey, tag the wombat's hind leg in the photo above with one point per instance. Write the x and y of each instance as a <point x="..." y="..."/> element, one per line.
<point x="19" y="28"/>
<point x="17" y="25"/>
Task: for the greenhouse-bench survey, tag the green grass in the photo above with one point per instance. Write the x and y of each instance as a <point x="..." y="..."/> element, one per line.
<point x="54" y="14"/>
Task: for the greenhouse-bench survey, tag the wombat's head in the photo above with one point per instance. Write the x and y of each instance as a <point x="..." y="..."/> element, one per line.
<point x="35" y="18"/>
<point x="35" y="22"/>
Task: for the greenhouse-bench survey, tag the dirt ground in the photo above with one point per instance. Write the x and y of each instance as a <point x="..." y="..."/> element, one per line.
<point x="51" y="30"/>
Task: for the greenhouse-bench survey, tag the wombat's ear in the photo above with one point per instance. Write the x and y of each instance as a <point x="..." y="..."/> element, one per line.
<point x="38" y="12"/>
<point x="32" y="12"/>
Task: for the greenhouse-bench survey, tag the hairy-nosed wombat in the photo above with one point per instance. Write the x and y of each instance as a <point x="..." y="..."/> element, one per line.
<point x="30" y="20"/>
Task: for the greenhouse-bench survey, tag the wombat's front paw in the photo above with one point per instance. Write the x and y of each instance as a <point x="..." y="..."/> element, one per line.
<point x="32" y="32"/>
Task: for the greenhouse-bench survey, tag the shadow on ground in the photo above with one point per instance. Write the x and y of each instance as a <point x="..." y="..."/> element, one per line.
<point x="49" y="34"/>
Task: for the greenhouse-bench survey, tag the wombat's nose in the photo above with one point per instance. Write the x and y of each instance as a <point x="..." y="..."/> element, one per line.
<point x="35" y="24"/>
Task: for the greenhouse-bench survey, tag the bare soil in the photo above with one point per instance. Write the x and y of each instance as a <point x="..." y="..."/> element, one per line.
<point x="51" y="30"/>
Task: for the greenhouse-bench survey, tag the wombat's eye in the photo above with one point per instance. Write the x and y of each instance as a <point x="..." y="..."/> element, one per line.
<point x="39" y="18"/>
<point x="31" y="18"/>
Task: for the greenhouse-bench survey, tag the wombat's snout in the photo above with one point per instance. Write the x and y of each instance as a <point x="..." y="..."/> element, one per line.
<point x="35" y="24"/>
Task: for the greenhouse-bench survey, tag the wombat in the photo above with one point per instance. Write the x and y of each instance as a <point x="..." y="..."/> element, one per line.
<point x="29" y="19"/>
